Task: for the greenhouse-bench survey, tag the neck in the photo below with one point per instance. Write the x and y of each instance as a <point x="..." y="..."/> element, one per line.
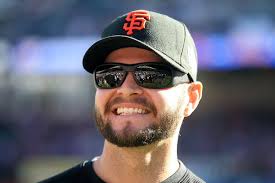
<point x="150" y="163"/>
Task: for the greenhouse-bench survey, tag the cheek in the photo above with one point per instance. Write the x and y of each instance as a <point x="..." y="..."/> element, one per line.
<point x="101" y="97"/>
<point x="169" y="99"/>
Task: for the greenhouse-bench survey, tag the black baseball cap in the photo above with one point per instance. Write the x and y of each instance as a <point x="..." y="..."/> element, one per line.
<point x="167" y="37"/>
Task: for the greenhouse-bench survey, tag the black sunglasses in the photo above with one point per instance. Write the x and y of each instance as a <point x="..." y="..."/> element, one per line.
<point x="148" y="75"/>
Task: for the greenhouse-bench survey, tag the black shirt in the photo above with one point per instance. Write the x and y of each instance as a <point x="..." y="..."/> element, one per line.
<point x="84" y="173"/>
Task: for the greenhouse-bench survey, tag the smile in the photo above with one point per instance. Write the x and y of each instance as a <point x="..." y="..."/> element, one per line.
<point x="129" y="111"/>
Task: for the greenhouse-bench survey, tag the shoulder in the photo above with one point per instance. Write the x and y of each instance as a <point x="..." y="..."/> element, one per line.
<point x="183" y="175"/>
<point x="187" y="176"/>
<point x="192" y="178"/>
<point x="78" y="173"/>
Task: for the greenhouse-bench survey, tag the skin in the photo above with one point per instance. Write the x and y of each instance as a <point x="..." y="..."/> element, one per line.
<point x="150" y="163"/>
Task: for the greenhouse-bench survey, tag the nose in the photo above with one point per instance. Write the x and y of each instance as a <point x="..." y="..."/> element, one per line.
<point x="129" y="86"/>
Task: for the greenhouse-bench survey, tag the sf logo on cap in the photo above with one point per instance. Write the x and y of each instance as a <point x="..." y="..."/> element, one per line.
<point x="136" y="21"/>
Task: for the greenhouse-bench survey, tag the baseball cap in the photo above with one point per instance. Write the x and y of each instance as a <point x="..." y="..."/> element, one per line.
<point x="167" y="37"/>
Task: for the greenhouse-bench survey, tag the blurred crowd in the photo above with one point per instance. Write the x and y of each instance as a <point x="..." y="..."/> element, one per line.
<point x="77" y="18"/>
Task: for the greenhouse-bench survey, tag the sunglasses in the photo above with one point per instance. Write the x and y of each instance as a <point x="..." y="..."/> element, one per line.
<point x="148" y="75"/>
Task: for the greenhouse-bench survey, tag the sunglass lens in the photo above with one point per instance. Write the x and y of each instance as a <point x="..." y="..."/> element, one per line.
<point x="153" y="76"/>
<point x="109" y="78"/>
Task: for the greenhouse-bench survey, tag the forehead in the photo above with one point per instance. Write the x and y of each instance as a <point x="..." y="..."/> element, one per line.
<point x="132" y="55"/>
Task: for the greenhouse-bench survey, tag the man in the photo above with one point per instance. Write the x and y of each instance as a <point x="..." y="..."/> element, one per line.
<point x="145" y="70"/>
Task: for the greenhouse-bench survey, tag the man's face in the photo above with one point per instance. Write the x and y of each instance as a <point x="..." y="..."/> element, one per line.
<point x="130" y="115"/>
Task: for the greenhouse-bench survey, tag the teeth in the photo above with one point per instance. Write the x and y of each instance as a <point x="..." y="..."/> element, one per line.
<point x="129" y="111"/>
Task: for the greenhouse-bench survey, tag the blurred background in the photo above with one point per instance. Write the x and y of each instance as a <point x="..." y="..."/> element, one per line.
<point x="46" y="98"/>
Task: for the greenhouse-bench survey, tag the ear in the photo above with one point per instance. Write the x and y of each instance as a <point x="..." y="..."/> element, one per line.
<point x="195" y="94"/>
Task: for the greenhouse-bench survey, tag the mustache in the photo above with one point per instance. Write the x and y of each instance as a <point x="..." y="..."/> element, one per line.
<point x="137" y="100"/>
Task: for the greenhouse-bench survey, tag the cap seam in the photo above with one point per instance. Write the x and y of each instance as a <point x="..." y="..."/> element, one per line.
<point x="183" y="41"/>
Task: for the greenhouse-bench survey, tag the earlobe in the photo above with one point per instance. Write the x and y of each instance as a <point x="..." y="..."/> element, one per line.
<point x="188" y="110"/>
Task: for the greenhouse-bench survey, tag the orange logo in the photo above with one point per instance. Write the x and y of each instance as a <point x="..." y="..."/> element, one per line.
<point x="136" y="21"/>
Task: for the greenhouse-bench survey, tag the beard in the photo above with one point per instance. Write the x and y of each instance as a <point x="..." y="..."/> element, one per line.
<point x="157" y="131"/>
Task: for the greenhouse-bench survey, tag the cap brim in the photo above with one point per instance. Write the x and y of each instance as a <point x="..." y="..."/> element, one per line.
<point x="98" y="52"/>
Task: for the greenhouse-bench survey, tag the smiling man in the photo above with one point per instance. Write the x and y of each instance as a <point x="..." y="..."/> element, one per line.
<point x="145" y="69"/>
